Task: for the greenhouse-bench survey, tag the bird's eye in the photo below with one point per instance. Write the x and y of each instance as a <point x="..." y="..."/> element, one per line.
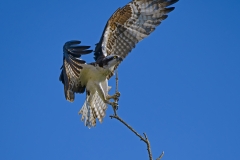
<point x="115" y="57"/>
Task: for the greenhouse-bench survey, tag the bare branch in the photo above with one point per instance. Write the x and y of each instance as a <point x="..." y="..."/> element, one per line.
<point x="137" y="134"/>
<point x="129" y="127"/>
<point x="116" y="72"/>
<point x="148" y="146"/>
<point x="160" y="157"/>
<point x="116" y="91"/>
<point x="145" y="138"/>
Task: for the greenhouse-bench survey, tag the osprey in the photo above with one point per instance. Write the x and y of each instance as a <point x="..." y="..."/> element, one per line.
<point x="125" y="28"/>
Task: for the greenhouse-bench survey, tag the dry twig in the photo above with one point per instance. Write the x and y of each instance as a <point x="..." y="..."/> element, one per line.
<point x="137" y="134"/>
<point x="160" y="157"/>
<point x="145" y="138"/>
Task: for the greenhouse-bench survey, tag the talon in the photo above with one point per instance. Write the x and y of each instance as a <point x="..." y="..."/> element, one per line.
<point x="114" y="105"/>
<point x="117" y="94"/>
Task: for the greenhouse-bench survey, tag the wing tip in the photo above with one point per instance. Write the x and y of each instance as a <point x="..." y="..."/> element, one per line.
<point x="72" y="47"/>
<point x="171" y="2"/>
<point x="71" y="42"/>
<point x="69" y="95"/>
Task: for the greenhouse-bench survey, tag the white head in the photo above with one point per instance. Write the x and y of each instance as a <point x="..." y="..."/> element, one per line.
<point x="110" y="61"/>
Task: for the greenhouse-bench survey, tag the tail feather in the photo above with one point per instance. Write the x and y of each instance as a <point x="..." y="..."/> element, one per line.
<point x="93" y="108"/>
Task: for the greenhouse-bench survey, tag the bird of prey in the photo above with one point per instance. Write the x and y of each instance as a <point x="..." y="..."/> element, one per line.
<point x="125" y="28"/>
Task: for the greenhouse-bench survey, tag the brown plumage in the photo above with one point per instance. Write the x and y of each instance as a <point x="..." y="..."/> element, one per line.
<point x="131" y="24"/>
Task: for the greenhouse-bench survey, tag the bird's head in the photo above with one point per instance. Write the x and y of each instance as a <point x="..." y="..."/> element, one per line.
<point x="110" y="61"/>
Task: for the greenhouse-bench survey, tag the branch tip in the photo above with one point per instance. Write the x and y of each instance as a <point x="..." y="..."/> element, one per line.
<point x="160" y="157"/>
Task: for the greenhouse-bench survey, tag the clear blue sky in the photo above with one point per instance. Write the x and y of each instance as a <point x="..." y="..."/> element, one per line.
<point x="181" y="85"/>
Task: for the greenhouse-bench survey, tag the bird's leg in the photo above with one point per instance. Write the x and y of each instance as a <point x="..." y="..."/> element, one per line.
<point x="113" y="104"/>
<point x="115" y="97"/>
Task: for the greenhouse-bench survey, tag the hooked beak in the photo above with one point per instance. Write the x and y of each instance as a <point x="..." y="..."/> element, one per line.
<point x="120" y="59"/>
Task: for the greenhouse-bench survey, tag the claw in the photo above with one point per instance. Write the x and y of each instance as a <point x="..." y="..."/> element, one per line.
<point x="114" y="106"/>
<point x="117" y="94"/>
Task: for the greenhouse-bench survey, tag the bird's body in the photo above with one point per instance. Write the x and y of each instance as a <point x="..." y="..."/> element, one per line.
<point x="95" y="79"/>
<point x="125" y="28"/>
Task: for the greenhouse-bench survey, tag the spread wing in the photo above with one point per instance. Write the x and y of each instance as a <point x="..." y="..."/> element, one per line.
<point x="130" y="24"/>
<point x="72" y="67"/>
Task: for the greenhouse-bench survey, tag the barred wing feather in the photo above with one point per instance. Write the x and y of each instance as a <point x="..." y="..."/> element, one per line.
<point x="72" y="67"/>
<point x="131" y="24"/>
